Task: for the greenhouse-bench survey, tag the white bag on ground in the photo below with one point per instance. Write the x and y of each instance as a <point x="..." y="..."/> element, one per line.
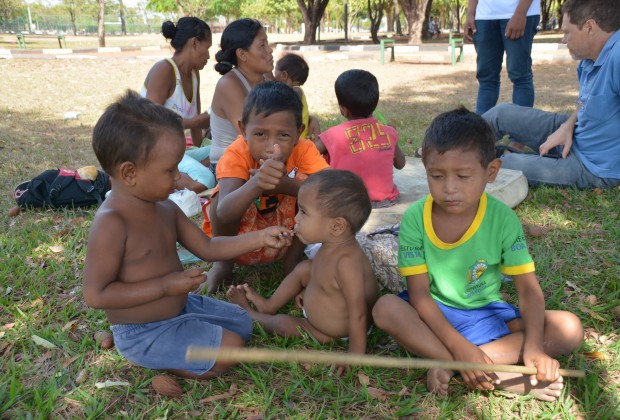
<point x="187" y="200"/>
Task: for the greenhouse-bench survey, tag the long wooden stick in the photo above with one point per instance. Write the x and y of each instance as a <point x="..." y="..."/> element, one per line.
<point x="256" y="355"/>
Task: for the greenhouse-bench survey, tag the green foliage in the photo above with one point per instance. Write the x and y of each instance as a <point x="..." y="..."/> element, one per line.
<point x="10" y="9"/>
<point x="268" y="11"/>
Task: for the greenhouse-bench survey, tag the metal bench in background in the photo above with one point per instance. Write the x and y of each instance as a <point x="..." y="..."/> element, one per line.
<point x="21" y="40"/>
<point x="456" y="41"/>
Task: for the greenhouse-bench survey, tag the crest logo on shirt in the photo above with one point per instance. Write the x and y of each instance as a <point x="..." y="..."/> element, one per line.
<point x="476" y="271"/>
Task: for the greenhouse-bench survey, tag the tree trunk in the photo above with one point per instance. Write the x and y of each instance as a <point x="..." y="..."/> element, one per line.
<point x="414" y="12"/>
<point x="100" y="23"/>
<point x="121" y="9"/>
<point x="426" y="34"/>
<point x="375" y="14"/>
<point x="560" y="3"/>
<point x="312" y="12"/>
<point x="73" y="26"/>
<point x="399" y="29"/>
<point x="389" y="14"/>
<point x="458" y="16"/>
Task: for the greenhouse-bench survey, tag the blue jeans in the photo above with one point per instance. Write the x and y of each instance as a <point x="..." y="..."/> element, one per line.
<point x="490" y="42"/>
<point x="531" y="127"/>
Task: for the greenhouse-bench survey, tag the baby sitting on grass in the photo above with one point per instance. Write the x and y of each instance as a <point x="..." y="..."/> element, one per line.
<point x="338" y="286"/>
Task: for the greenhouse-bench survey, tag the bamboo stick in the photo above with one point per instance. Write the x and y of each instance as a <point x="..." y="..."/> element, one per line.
<point x="256" y="355"/>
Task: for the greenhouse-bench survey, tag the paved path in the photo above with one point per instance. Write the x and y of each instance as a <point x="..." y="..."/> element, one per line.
<point x="423" y="54"/>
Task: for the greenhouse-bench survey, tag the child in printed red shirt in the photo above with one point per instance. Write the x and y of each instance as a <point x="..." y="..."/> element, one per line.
<point x="363" y="145"/>
<point x="259" y="176"/>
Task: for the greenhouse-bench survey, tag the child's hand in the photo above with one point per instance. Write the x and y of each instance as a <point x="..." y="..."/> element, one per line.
<point x="183" y="282"/>
<point x="547" y="367"/>
<point x="476" y="379"/>
<point x="277" y="237"/>
<point x="271" y="171"/>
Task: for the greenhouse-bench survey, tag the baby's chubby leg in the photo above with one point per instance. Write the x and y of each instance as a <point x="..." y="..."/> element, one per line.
<point x="294" y="283"/>
<point x="282" y="325"/>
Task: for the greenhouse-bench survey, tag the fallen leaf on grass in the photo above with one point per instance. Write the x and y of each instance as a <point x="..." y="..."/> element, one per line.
<point x="616" y="311"/>
<point x="231" y="392"/>
<point x="592" y="313"/>
<point x="108" y="384"/>
<point x="68" y="361"/>
<point x="43" y="342"/>
<point x="43" y="358"/>
<point x="7" y="327"/>
<point x="71" y="325"/>
<point x="591" y="271"/>
<point x="65" y="232"/>
<point x="77" y="221"/>
<point x="377" y="394"/>
<point x="81" y="377"/>
<point x="30" y="262"/>
<point x="57" y="248"/>
<point x="572" y="285"/>
<point x="404" y="392"/>
<point x="596" y="355"/>
<point x="364" y="379"/>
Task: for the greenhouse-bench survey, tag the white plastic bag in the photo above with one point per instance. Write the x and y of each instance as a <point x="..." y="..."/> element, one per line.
<point x="187" y="200"/>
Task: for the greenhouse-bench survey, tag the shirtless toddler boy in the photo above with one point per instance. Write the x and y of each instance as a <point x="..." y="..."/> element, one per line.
<point x="132" y="268"/>
<point x="339" y="287"/>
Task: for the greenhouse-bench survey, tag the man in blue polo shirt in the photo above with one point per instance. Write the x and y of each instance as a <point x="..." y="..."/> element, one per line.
<point x="581" y="149"/>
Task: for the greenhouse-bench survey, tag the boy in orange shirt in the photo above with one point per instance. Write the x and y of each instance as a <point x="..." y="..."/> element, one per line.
<point x="259" y="176"/>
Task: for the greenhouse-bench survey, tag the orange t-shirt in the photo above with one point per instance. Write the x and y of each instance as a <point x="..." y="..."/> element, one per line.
<point x="237" y="161"/>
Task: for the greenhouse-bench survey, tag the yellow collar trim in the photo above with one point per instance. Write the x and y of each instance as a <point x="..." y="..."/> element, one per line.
<point x="473" y="228"/>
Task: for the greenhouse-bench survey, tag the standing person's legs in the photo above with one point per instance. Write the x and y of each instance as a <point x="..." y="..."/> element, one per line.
<point x="519" y="62"/>
<point x="488" y="41"/>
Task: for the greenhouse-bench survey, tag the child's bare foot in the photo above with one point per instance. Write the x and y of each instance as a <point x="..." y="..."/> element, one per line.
<point x="257" y="299"/>
<point x="236" y="295"/>
<point x="520" y="384"/>
<point x="437" y="381"/>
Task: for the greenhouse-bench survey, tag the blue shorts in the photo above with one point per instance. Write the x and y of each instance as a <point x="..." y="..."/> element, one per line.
<point x="480" y="325"/>
<point x="163" y="344"/>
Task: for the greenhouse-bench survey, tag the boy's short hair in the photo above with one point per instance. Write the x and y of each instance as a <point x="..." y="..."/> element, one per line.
<point x="358" y="91"/>
<point x="129" y="129"/>
<point x="460" y="129"/>
<point x="341" y="193"/>
<point x="295" y="66"/>
<point x="606" y="13"/>
<point x="270" y="97"/>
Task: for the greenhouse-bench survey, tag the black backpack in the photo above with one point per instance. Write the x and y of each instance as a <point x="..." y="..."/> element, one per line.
<point x="56" y="188"/>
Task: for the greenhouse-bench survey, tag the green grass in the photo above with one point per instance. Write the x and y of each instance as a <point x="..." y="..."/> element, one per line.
<point x="42" y="257"/>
